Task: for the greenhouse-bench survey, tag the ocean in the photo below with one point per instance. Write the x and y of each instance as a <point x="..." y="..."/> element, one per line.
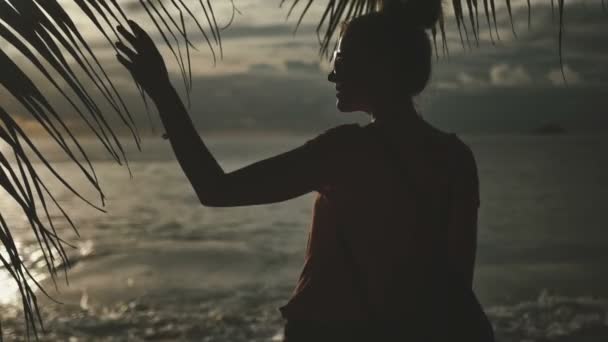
<point x="160" y="266"/>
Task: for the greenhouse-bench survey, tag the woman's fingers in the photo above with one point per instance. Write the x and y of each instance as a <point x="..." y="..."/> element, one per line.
<point x="124" y="61"/>
<point x="136" y="29"/>
<point x="141" y="34"/>
<point x="142" y="58"/>
<point x="124" y="49"/>
<point x="127" y="35"/>
<point x="129" y="66"/>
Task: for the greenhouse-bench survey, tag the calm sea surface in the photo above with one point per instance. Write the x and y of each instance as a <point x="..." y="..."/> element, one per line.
<point x="159" y="266"/>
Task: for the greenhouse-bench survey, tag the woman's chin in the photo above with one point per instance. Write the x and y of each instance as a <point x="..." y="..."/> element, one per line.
<point x="345" y="106"/>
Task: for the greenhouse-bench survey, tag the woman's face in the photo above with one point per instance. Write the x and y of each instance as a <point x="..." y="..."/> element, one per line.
<point x="351" y="75"/>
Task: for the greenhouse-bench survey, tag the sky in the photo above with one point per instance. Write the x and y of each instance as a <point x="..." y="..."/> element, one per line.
<point x="270" y="80"/>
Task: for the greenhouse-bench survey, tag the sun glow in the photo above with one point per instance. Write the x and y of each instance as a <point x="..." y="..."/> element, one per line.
<point x="9" y="290"/>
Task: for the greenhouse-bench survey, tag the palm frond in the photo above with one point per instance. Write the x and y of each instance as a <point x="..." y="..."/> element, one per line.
<point x="337" y="11"/>
<point x="44" y="34"/>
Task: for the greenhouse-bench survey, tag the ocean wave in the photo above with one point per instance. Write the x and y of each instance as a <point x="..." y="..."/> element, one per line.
<point x="552" y="318"/>
<point x="250" y="314"/>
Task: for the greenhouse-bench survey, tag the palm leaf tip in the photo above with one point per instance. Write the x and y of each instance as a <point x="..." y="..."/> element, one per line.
<point x="337" y="11"/>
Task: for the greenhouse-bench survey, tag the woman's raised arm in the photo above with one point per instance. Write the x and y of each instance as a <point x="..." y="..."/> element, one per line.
<point x="275" y="179"/>
<point x="279" y="178"/>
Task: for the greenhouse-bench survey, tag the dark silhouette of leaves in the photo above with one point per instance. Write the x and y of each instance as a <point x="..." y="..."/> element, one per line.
<point x="44" y="34"/>
<point x="337" y="11"/>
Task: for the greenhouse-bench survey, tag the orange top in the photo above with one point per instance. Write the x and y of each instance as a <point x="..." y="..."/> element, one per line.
<point x="385" y="219"/>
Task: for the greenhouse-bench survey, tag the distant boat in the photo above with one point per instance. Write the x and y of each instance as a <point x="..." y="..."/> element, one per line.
<point x="549" y="129"/>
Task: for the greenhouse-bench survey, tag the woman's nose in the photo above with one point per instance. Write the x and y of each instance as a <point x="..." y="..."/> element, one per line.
<point x="331" y="77"/>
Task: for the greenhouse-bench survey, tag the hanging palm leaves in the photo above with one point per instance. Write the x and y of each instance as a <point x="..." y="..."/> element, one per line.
<point x="338" y="11"/>
<point x="45" y="35"/>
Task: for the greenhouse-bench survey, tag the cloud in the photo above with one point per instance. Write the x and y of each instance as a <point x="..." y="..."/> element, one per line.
<point x="303" y="68"/>
<point x="469" y="80"/>
<point x="509" y="76"/>
<point x="262" y="68"/>
<point x="556" y="77"/>
<point x="281" y="30"/>
<point x="517" y="109"/>
<point x="536" y="49"/>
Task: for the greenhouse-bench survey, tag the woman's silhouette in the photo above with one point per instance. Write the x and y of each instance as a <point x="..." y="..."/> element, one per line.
<point x="392" y="246"/>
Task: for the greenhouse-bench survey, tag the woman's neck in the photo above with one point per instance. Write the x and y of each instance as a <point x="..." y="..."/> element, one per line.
<point x="396" y="113"/>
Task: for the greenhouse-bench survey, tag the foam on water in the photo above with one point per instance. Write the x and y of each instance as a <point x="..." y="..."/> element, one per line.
<point x="244" y="315"/>
<point x="552" y="318"/>
<point x="250" y="315"/>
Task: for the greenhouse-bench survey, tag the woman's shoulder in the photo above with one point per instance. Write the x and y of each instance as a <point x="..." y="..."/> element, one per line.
<point x="461" y="151"/>
<point x="337" y="134"/>
<point x="464" y="170"/>
<point x="457" y="154"/>
<point x="344" y="129"/>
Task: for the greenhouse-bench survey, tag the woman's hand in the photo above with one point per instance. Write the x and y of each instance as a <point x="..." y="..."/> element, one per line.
<point x="145" y="62"/>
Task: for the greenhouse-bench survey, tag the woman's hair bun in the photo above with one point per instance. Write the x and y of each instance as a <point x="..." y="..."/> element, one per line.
<point x="418" y="13"/>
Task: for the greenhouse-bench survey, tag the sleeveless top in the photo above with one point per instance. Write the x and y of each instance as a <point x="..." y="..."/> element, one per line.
<point x="388" y="226"/>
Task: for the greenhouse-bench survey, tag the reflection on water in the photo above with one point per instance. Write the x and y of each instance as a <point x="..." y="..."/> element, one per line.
<point x="9" y="290"/>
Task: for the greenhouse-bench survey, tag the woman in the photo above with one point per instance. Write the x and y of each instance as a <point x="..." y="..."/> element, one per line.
<point x="392" y="246"/>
